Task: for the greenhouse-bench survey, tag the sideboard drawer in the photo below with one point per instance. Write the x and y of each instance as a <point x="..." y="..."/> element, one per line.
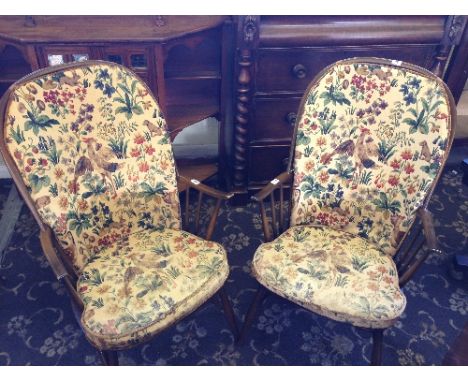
<point x="292" y="69"/>
<point x="274" y="118"/>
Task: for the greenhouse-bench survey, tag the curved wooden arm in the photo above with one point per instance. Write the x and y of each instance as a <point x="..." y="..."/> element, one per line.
<point x="281" y="179"/>
<point x="270" y="231"/>
<point x="203" y="189"/>
<point x="196" y="184"/>
<point x="428" y="228"/>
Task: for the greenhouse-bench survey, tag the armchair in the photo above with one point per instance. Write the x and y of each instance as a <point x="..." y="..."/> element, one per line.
<point x="87" y="147"/>
<point x="370" y="141"/>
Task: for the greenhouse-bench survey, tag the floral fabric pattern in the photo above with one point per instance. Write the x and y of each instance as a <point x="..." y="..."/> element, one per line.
<point x="144" y="283"/>
<point x="333" y="273"/>
<point x="91" y="145"/>
<point x="369" y="144"/>
<point x="36" y="312"/>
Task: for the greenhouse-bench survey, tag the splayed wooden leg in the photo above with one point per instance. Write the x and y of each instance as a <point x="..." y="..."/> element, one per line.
<point x="109" y="357"/>
<point x="229" y="312"/>
<point x="377" y="345"/>
<point x="250" y="316"/>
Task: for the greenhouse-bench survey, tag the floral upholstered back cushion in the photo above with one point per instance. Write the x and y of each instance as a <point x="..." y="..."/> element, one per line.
<point x="369" y="144"/>
<point x="91" y="145"/>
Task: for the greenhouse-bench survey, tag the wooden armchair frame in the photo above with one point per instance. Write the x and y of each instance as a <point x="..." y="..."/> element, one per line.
<point x="408" y="257"/>
<point x="65" y="273"/>
<point x="60" y="263"/>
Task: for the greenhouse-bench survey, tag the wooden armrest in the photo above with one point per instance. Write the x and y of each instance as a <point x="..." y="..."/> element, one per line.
<point x="431" y="241"/>
<point x="207" y="190"/>
<point x="273" y="230"/>
<point x="196" y="184"/>
<point x="273" y="185"/>
<point x="428" y="228"/>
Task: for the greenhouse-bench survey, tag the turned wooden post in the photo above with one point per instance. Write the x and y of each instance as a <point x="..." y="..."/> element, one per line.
<point x="247" y="38"/>
<point x="454" y="27"/>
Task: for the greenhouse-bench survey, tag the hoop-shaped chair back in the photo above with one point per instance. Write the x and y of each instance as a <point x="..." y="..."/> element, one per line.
<point x="87" y="146"/>
<point x="371" y="138"/>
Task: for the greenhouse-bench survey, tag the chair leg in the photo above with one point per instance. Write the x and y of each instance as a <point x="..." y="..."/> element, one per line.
<point x="109" y="357"/>
<point x="250" y="316"/>
<point x="377" y="345"/>
<point x="229" y="312"/>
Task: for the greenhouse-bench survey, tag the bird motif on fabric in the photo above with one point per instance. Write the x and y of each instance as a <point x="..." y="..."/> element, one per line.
<point x="130" y="274"/>
<point x="148" y="260"/>
<point x="361" y="151"/>
<point x="347" y="147"/>
<point x="156" y="130"/>
<point x="42" y="201"/>
<point x="71" y="81"/>
<point x="101" y="159"/>
<point x="425" y="152"/>
<point x="83" y="166"/>
<point x="372" y="148"/>
<point x="319" y="254"/>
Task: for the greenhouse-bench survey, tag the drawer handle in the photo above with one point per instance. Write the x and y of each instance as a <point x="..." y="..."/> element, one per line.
<point x="291" y="118"/>
<point x="299" y="71"/>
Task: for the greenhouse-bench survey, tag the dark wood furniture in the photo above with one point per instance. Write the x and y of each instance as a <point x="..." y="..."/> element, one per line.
<point x="277" y="56"/>
<point x="181" y="58"/>
<point x="248" y="71"/>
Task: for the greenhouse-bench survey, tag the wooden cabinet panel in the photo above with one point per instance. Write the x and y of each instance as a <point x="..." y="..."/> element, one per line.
<point x="280" y="70"/>
<point x="190" y="100"/>
<point x="195" y="56"/>
<point x="274" y="118"/>
<point x="350" y="30"/>
<point x="13" y="66"/>
<point x="192" y="72"/>
<point x="192" y="91"/>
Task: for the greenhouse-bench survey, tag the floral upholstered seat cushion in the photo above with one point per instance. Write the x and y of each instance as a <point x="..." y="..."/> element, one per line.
<point x="333" y="273"/>
<point x="142" y="284"/>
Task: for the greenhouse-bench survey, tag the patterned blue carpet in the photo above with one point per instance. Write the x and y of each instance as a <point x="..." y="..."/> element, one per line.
<point x="37" y="326"/>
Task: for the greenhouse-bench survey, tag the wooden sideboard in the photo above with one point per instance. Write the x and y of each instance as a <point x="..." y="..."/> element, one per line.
<point x="180" y="57"/>
<point x="248" y="71"/>
<point x="277" y="56"/>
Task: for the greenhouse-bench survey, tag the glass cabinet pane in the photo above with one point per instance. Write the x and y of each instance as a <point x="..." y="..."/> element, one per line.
<point x="55" y="59"/>
<point x="138" y="61"/>
<point x="80" y="57"/>
<point x="115" y="58"/>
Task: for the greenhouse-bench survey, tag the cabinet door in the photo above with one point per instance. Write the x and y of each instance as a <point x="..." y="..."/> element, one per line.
<point x="133" y="57"/>
<point x="62" y="54"/>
